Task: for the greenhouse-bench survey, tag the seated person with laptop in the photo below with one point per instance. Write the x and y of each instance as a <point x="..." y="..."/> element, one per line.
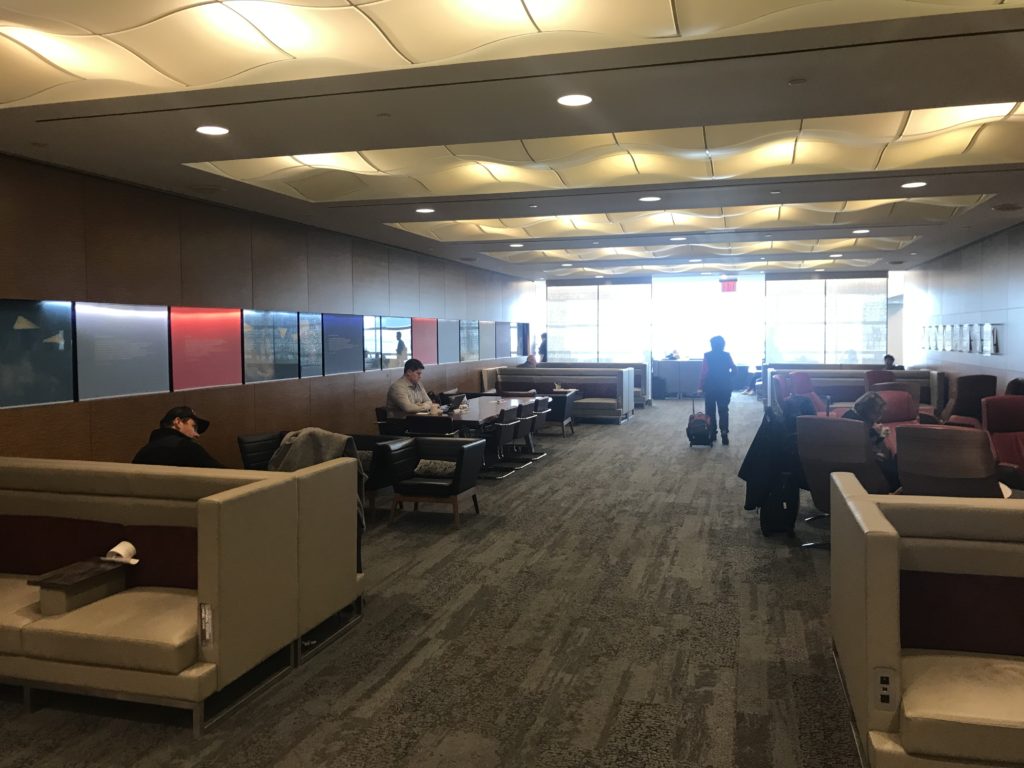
<point x="407" y="396"/>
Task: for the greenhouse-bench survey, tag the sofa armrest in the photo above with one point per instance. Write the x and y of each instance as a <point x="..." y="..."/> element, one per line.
<point x="865" y="615"/>
<point x="248" y="574"/>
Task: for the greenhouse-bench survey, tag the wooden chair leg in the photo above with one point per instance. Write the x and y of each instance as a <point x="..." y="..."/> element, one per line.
<point x="476" y="504"/>
<point x="455" y="510"/>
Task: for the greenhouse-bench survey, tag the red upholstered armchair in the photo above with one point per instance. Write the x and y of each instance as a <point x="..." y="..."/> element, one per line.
<point x="1003" y="417"/>
<point x="800" y="384"/>
<point x="877" y="376"/>
<point x="964" y="406"/>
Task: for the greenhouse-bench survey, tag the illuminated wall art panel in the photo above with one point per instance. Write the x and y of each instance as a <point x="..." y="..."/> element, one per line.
<point x="206" y="347"/>
<point x="36" y="359"/>
<point x="122" y="350"/>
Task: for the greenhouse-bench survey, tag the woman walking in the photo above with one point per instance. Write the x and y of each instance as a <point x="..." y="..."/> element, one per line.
<point x="716" y="377"/>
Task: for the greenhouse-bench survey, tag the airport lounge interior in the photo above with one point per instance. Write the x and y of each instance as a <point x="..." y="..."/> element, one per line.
<point x="512" y="383"/>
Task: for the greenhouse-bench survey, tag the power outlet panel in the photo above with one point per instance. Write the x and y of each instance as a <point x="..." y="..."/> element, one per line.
<point x="886" y="686"/>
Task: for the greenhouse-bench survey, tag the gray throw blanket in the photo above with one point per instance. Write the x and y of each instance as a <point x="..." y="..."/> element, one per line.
<point x="312" y="445"/>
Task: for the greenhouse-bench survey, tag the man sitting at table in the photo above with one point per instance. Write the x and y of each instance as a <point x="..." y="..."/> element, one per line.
<point x="407" y="396"/>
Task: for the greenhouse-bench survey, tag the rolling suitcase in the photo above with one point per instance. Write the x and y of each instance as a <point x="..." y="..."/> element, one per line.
<point x="698" y="428"/>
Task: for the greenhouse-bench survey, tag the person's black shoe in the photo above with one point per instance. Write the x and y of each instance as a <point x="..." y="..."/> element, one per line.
<point x="725" y="438"/>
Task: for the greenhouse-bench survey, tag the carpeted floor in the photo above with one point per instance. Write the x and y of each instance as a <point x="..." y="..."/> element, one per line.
<point x="612" y="606"/>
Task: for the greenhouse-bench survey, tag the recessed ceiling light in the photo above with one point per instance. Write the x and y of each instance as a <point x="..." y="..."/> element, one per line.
<point x="775" y="192"/>
<point x="567" y="265"/>
<point x="212" y="130"/>
<point x="914" y="184"/>
<point x="533" y="205"/>
<point x="424" y="210"/>
<point x="835" y="255"/>
<point x="574" y="100"/>
<point x="515" y="245"/>
<point x="677" y="239"/>
<point x="820" y="269"/>
<point x="597" y="242"/>
<point x="861" y="231"/>
<point x="599" y="276"/>
<point x="649" y="199"/>
<point x="695" y="261"/>
<point x="913" y="253"/>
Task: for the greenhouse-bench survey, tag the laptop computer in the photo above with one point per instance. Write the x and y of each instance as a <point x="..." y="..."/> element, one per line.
<point x="456" y="401"/>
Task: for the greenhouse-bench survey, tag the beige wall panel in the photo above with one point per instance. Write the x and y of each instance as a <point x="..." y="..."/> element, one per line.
<point x="431" y="287"/>
<point x="120" y="426"/>
<point x="279" y="278"/>
<point x="370" y="288"/>
<point x="47" y="431"/>
<point x="42" y="233"/>
<point x="455" y="293"/>
<point x="131" y="244"/>
<point x="404" y="283"/>
<point x="330" y="272"/>
<point x="491" y="310"/>
<point x="216" y="257"/>
<point x="332" y="402"/>
<point x="231" y="413"/>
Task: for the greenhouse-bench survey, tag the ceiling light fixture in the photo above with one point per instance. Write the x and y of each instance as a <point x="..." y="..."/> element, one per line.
<point x="914" y="184"/>
<point x="533" y="205"/>
<point x="424" y="210"/>
<point x="677" y="239"/>
<point x="775" y="192"/>
<point x="861" y="231"/>
<point x="599" y="276"/>
<point x="820" y="269"/>
<point x="567" y="265"/>
<point x="695" y="261"/>
<point x="574" y="100"/>
<point x="515" y="245"/>
<point x="212" y="130"/>
<point x="835" y="255"/>
<point x="649" y="199"/>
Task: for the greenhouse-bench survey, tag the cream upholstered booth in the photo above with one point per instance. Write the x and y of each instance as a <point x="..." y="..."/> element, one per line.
<point x="928" y="626"/>
<point x="235" y="566"/>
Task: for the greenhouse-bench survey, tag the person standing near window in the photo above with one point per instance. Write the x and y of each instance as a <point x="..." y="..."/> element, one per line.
<point x="716" y="375"/>
<point x="542" y="350"/>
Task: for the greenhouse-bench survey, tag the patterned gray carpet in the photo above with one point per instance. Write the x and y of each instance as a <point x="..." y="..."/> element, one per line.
<point x="613" y="605"/>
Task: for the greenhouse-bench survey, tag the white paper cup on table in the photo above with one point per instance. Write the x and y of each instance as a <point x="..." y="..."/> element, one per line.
<point x="124" y="552"/>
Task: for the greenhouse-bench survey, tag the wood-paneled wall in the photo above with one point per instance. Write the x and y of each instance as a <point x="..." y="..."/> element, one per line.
<point x="66" y="236"/>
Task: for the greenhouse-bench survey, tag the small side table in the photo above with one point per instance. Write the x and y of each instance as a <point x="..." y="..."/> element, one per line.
<point x="78" y="584"/>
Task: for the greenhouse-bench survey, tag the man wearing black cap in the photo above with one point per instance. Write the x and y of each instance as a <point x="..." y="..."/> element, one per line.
<point x="174" y="444"/>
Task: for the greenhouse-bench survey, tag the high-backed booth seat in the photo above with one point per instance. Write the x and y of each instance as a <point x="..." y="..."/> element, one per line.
<point x="261" y="557"/>
<point x="641" y="377"/>
<point x="939" y="460"/>
<point x="603" y="393"/>
<point x="845" y="384"/>
<point x="928" y="626"/>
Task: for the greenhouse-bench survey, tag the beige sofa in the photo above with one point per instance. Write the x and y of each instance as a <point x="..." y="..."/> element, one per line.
<point x="845" y="384"/>
<point x="641" y="377"/>
<point x="928" y="626"/>
<point x="235" y="567"/>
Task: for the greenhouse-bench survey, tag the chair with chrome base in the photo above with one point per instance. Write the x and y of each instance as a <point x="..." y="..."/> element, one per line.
<point x="830" y="445"/>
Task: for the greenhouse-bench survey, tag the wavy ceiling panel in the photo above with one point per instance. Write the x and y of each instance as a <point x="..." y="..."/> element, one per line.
<point x="216" y="41"/>
<point x="837" y="249"/>
<point x="983" y="134"/>
<point x="903" y="212"/>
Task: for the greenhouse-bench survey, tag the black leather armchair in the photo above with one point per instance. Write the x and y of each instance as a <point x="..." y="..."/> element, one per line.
<point x="411" y="484"/>
<point x="256" y="450"/>
<point x="377" y="475"/>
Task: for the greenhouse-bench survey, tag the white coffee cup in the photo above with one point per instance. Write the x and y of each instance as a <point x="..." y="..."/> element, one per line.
<point x="124" y="552"/>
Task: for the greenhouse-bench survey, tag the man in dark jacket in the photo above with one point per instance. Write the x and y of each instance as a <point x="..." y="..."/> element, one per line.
<point x="174" y="444"/>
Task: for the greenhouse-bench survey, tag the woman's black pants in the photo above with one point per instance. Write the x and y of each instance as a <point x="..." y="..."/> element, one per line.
<point x="718" y="400"/>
